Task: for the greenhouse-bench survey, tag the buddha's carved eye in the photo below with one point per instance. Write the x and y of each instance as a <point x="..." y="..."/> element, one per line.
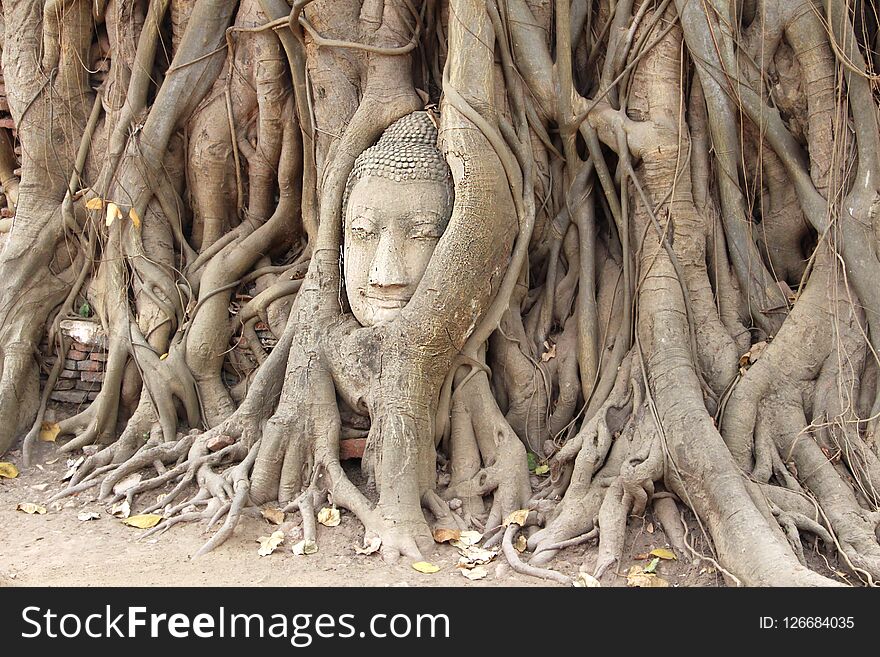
<point x="362" y="229"/>
<point x="425" y="230"/>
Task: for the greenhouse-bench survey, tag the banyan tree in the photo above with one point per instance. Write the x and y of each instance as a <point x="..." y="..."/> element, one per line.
<point x="583" y="258"/>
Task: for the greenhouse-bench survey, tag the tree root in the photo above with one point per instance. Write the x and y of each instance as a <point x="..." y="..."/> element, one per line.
<point x="519" y="566"/>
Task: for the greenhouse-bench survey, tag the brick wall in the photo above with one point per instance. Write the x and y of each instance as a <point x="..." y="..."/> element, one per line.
<point x="80" y="380"/>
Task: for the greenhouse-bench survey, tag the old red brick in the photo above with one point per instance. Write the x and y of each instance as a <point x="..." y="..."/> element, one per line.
<point x="76" y="354"/>
<point x="352" y="448"/>
<point x="89" y="366"/>
<point x="94" y="377"/>
<point x="219" y="442"/>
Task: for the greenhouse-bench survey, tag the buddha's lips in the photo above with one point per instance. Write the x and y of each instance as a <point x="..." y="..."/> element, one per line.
<point x="387" y="302"/>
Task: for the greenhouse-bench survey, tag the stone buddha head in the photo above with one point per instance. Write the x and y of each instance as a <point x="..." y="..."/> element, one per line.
<point x="397" y="203"/>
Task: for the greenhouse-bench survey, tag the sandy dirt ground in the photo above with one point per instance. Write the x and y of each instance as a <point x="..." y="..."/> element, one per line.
<point x="58" y="549"/>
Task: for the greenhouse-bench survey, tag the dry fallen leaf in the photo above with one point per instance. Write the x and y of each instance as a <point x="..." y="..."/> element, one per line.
<point x="663" y="553"/>
<point x="95" y="204"/>
<point x="650" y="528"/>
<point x="113" y="213"/>
<point x="40" y="487"/>
<point x="135" y="218"/>
<point x="30" y="507"/>
<point x="756" y="350"/>
<point x="474" y="573"/>
<point x="425" y="567"/>
<point x="638" y="578"/>
<point x="163" y="356"/>
<point x="87" y="515"/>
<point x="305" y="548"/>
<point x="369" y="548"/>
<point x="329" y="516"/>
<point x="120" y="509"/>
<point x="125" y="484"/>
<point x="471" y="555"/>
<point x="143" y="521"/>
<point x="8" y="471"/>
<point x="520" y="543"/>
<point x="585" y="580"/>
<point x="72" y="466"/>
<point x="470" y="537"/>
<point x="517" y="517"/>
<point x="269" y="543"/>
<point x="49" y="431"/>
<point x="446" y="535"/>
<point x="550" y="353"/>
<point x="273" y="515"/>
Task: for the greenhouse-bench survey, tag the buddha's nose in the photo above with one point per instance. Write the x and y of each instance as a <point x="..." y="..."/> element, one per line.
<point x="388" y="269"/>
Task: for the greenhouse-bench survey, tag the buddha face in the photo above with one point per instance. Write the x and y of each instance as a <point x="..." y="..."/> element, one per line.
<point x="391" y="230"/>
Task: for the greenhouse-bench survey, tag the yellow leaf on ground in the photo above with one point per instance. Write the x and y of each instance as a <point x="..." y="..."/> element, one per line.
<point x="517" y="517"/>
<point x="587" y="581"/>
<point x="520" y="543"/>
<point x="49" y="431"/>
<point x="542" y="469"/>
<point x="329" y="516"/>
<point x="135" y="218"/>
<point x="95" y="204"/>
<point x="273" y="515"/>
<point x="8" y="471"/>
<point x="305" y="548"/>
<point x="474" y="573"/>
<point x="425" y="567"/>
<point x="446" y="535"/>
<point x="163" y="356"/>
<point x="113" y="213"/>
<point x="369" y="548"/>
<point x="143" y="521"/>
<point x="663" y="553"/>
<point x="30" y="507"/>
<point x="269" y="543"/>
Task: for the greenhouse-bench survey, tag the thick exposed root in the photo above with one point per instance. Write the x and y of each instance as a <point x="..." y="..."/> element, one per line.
<point x="488" y="458"/>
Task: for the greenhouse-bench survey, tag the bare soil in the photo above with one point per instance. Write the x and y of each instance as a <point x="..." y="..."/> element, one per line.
<point x="57" y="549"/>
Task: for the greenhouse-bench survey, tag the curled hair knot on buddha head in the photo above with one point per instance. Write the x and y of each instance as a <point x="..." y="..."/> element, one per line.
<point x="406" y="151"/>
